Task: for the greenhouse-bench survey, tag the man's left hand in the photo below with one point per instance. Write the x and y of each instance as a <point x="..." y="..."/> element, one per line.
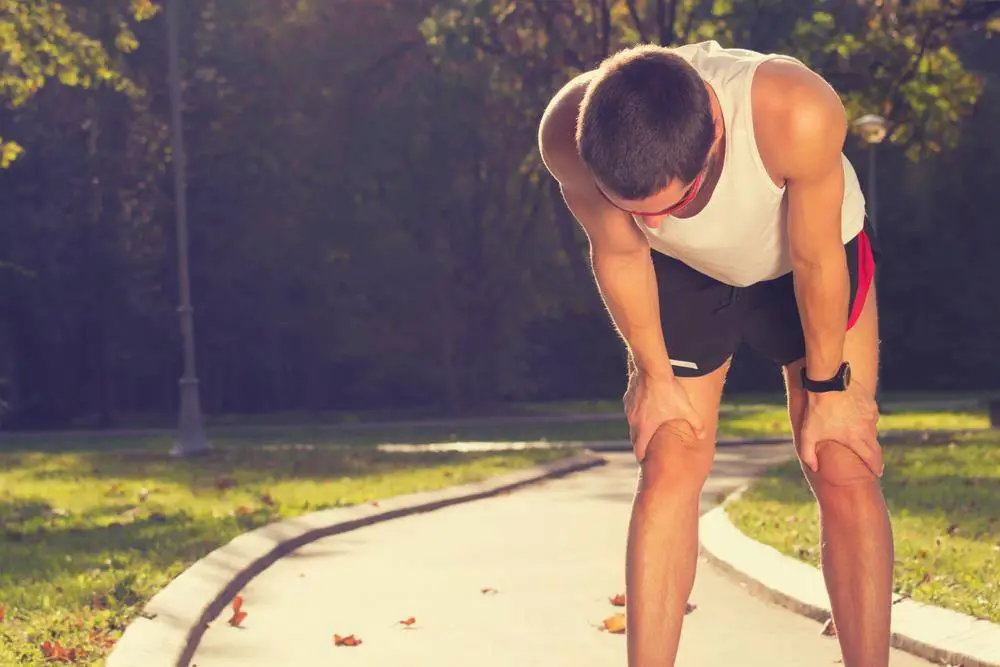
<point x="849" y="418"/>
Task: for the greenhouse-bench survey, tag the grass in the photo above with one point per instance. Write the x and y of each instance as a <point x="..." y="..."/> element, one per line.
<point x="738" y="418"/>
<point x="943" y="500"/>
<point x="91" y="532"/>
<point x="95" y="524"/>
<point x="767" y="419"/>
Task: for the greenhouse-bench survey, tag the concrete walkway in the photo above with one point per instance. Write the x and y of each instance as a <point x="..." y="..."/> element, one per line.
<point x="554" y="555"/>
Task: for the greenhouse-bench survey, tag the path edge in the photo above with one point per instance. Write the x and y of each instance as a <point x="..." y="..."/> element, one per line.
<point x="933" y="633"/>
<point x="171" y="625"/>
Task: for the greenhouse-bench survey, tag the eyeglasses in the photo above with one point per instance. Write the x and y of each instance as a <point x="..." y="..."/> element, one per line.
<point x="688" y="196"/>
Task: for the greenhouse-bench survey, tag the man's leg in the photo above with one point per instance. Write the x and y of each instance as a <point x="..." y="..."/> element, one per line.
<point x="663" y="531"/>
<point x="855" y="533"/>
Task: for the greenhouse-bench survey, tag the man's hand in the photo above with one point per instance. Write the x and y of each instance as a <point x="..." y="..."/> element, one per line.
<point x="848" y="418"/>
<point x="651" y="402"/>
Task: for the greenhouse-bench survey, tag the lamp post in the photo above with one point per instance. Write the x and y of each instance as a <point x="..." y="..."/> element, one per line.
<point x="191" y="439"/>
<point x="873" y="129"/>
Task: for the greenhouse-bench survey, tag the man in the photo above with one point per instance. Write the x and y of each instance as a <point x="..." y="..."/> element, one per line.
<point x="720" y="208"/>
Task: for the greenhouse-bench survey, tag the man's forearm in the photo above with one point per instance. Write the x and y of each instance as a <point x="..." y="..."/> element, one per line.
<point x="627" y="283"/>
<point x="822" y="290"/>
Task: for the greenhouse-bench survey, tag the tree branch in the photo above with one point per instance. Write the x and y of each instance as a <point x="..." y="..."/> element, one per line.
<point x="975" y="12"/>
<point x="637" y="20"/>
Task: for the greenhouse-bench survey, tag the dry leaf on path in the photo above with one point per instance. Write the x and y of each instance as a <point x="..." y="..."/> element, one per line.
<point x="238" y="613"/>
<point x="408" y="621"/>
<point x="689" y="608"/>
<point x="829" y="629"/>
<point x="614" y="624"/>
<point x="349" y="640"/>
<point x="489" y="591"/>
<point x="618" y="600"/>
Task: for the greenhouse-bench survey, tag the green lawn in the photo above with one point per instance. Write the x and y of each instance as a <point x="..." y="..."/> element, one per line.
<point x="768" y="419"/>
<point x="95" y="524"/>
<point x="737" y="419"/>
<point x="92" y="529"/>
<point x="944" y="499"/>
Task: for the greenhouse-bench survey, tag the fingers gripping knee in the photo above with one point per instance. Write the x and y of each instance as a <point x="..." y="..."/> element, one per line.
<point x="839" y="466"/>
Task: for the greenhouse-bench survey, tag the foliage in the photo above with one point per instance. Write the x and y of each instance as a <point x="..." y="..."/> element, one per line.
<point x="370" y="225"/>
<point x="41" y="41"/>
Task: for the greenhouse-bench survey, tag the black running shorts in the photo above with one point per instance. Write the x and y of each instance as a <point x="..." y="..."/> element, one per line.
<point x="705" y="320"/>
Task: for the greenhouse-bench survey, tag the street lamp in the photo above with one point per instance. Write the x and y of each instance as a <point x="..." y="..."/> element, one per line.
<point x="873" y="130"/>
<point x="191" y="439"/>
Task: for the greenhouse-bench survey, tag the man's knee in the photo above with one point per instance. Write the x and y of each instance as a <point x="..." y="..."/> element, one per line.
<point x="676" y="460"/>
<point x="839" y="466"/>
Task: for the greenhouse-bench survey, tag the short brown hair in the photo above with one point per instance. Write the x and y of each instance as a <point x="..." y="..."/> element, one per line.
<point x="645" y="120"/>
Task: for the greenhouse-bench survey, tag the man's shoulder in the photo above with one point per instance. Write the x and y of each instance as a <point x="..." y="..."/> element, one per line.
<point x="791" y="106"/>
<point x="557" y="130"/>
<point x="782" y="85"/>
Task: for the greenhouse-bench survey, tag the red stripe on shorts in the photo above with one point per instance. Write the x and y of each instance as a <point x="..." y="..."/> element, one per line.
<point x="866" y="273"/>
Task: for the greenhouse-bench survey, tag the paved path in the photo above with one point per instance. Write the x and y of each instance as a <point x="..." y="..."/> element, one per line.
<point x="554" y="554"/>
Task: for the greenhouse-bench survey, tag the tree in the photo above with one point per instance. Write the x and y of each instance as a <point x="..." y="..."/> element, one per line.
<point x="40" y="41"/>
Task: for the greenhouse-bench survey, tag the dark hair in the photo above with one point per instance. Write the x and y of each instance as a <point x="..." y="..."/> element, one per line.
<point x="645" y="120"/>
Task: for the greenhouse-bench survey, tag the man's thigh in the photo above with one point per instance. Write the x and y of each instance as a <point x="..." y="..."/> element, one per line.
<point x="699" y="320"/>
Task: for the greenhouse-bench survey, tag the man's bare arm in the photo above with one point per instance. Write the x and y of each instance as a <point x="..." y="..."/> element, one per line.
<point x="811" y="136"/>
<point x="619" y="251"/>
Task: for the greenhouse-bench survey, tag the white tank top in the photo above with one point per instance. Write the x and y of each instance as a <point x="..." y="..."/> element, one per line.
<point x="740" y="237"/>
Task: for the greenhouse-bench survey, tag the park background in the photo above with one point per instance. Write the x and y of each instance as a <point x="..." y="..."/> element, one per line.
<point x="378" y="262"/>
<point x="370" y="224"/>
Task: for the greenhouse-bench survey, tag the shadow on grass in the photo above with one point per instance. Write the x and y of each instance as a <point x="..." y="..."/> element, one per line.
<point x="102" y="560"/>
<point x="247" y="467"/>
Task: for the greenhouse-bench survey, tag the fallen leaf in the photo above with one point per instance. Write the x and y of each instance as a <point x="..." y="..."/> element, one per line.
<point x="238" y="613"/>
<point x="101" y="639"/>
<point x="408" y="621"/>
<point x="614" y="624"/>
<point x="489" y="591"/>
<point x="55" y="652"/>
<point x="829" y="629"/>
<point x="349" y="640"/>
<point x="618" y="600"/>
<point x="689" y="608"/>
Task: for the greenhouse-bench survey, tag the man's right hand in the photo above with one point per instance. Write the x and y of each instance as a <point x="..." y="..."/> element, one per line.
<point x="651" y="402"/>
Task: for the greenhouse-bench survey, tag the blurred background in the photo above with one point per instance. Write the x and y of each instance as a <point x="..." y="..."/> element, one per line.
<point x="370" y="227"/>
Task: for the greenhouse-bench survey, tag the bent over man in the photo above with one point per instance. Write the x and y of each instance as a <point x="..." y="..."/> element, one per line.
<point x="720" y="208"/>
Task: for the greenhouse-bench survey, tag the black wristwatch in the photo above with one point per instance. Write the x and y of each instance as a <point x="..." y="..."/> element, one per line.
<point x="839" y="382"/>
